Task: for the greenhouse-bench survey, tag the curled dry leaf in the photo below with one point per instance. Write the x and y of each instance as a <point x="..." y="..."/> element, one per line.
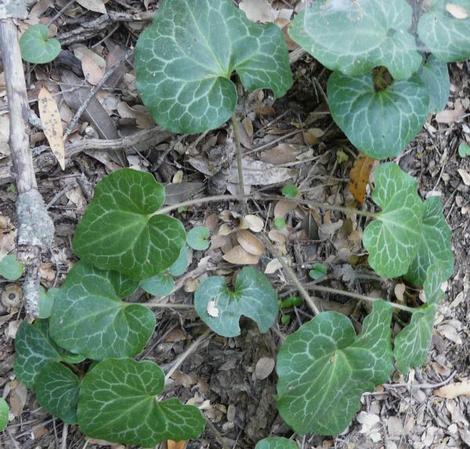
<point x="359" y="177"/>
<point x="252" y="222"/>
<point x="238" y="256"/>
<point x="283" y="207"/>
<point x="457" y="11"/>
<point x="452" y="391"/>
<point x="250" y="243"/>
<point x="52" y="124"/>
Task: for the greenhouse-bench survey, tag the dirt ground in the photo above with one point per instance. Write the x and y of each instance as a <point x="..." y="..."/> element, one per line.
<point x="232" y="380"/>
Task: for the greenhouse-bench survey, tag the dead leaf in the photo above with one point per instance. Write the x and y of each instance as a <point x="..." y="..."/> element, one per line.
<point x="454" y="390"/>
<point x="18" y="396"/>
<point x="250" y="243"/>
<point x="450" y="116"/>
<point x="312" y="135"/>
<point x="93" y="65"/>
<point x="282" y="154"/>
<point x="283" y="207"/>
<point x="93" y="5"/>
<point x="465" y="175"/>
<point x="260" y="173"/>
<point x="457" y="11"/>
<point x="400" y="292"/>
<point x="264" y="367"/>
<point x="252" y="222"/>
<point x="359" y="177"/>
<point x="258" y="10"/>
<point x="52" y="124"/>
<point x="238" y="256"/>
<point x="170" y="444"/>
<point x="273" y="266"/>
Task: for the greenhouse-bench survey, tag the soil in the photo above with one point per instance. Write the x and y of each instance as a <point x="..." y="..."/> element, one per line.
<point x="223" y="376"/>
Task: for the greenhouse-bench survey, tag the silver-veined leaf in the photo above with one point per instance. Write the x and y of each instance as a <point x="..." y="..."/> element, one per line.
<point x="118" y="403"/>
<point x="435" y="76"/>
<point x="324" y="368"/>
<point x="122" y="231"/>
<point x="392" y="239"/>
<point x="276" y="443"/>
<point x="90" y="318"/>
<point x="252" y="296"/>
<point x="185" y="59"/>
<point x="378" y="123"/>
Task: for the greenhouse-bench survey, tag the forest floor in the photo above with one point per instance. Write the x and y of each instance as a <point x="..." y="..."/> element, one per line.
<point x="292" y="139"/>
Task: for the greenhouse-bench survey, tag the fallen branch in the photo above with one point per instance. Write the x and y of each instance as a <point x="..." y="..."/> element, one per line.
<point x="35" y="227"/>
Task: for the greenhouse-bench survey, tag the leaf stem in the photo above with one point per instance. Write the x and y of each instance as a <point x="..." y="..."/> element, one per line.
<point x="238" y="149"/>
<point x="324" y="289"/>
<point x="165" y="305"/>
<point x="258" y="197"/>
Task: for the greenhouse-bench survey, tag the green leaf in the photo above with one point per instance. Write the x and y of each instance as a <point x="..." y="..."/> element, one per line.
<point x="444" y="35"/>
<point x="34" y="350"/>
<point x="434" y="74"/>
<point x="118" y="403"/>
<point x="57" y="390"/>
<point x="413" y="341"/>
<point x="464" y="150"/>
<point x="436" y="275"/>
<point x="46" y="302"/>
<point x="355" y="37"/>
<point x="392" y="238"/>
<point x="221" y="309"/>
<point x="4" y="411"/>
<point x="90" y="319"/>
<point x="181" y="264"/>
<point x="290" y="191"/>
<point x="10" y="268"/>
<point x="280" y="223"/>
<point x="121" y="230"/>
<point x="379" y="123"/>
<point x="160" y="285"/>
<point x="434" y="243"/>
<point x="185" y="59"/>
<point x="198" y="238"/>
<point x="324" y="368"/>
<point x="276" y="443"/>
<point x="318" y="271"/>
<point x="36" y="46"/>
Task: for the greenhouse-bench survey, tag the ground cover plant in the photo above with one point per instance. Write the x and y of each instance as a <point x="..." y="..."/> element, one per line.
<point x="82" y="355"/>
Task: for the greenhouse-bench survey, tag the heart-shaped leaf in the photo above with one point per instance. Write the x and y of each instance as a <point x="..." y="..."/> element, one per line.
<point x="221" y="308"/>
<point x="36" y="46"/>
<point x="445" y="35"/>
<point x="4" y="412"/>
<point x="185" y="59"/>
<point x="181" y="264"/>
<point x="276" y="443"/>
<point x="392" y="239"/>
<point x="34" y="349"/>
<point x="89" y="317"/>
<point x="198" y="238"/>
<point x="121" y="229"/>
<point x="356" y="36"/>
<point x="435" y="76"/>
<point x="379" y="123"/>
<point x="10" y="268"/>
<point x="57" y="390"/>
<point x="413" y="341"/>
<point x="324" y="368"/>
<point x="118" y="403"/>
<point x="160" y="285"/>
<point x="434" y="243"/>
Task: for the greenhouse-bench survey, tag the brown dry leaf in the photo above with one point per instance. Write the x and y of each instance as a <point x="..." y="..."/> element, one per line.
<point x="250" y="243"/>
<point x="248" y="127"/>
<point x="93" y="65"/>
<point x="52" y="124"/>
<point x="400" y="292"/>
<point x="282" y="154"/>
<point x="170" y="444"/>
<point x="450" y="116"/>
<point x="264" y="367"/>
<point x="283" y="207"/>
<point x="252" y="222"/>
<point x="273" y="266"/>
<point x="260" y="173"/>
<point x="452" y="391"/>
<point x="457" y="11"/>
<point x="18" y="396"/>
<point x="93" y="5"/>
<point x="238" y="256"/>
<point x="359" y="177"/>
<point x="312" y="136"/>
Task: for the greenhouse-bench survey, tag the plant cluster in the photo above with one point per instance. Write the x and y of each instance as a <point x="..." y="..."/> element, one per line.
<point x="79" y="357"/>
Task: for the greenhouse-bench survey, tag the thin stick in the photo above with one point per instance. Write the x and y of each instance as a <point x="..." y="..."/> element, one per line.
<point x="182" y="357"/>
<point x="290" y="273"/>
<point x="92" y="94"/>
<point x="335" y="291"/>
<point x="238" y="148"/>
<point x="65" y="430"/>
